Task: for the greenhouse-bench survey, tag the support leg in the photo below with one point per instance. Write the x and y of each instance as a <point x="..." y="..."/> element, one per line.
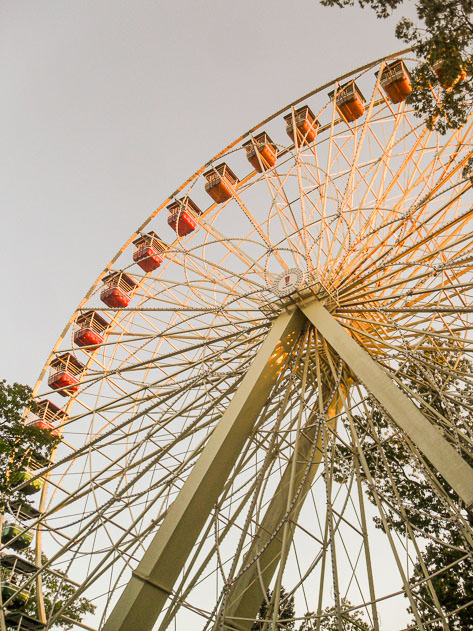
<point x="145" y="595"/>
<point x="246" y="594"/>
<point x="400" y="408"/>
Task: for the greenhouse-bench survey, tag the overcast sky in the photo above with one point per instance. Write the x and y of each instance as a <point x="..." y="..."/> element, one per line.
<point x="107" y="105"/>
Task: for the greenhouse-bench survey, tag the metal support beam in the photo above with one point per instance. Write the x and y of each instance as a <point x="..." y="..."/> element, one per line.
<point x="150" y="585"/>
<point x="400" y="408"/>
<point x="246" y="594"/>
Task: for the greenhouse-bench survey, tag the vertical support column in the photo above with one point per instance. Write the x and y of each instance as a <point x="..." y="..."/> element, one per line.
<point x="400" y="408"/>
<point x="145" y="595"/>
<point x="246" y="595"/>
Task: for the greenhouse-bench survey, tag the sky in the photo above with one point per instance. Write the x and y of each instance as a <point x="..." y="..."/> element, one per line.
<point x="108" y="105"/>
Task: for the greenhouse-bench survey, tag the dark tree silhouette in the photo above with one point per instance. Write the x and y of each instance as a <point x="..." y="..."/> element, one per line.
<point x="445" y="395"/>
<point x="19" y="442"/>
<point x="351" y="621"/>
<point x="442" y="39"/>
<point x="285" y="612"/>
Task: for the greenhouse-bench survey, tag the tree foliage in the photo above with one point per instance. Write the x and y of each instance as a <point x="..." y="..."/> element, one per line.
<point x="350" y="620"/>
<point x="19" y="442"/>
<point x="454" y="588"/>
<point x="285" y="612"/>
<point x="442" y="38"/>
<point x="407" y="491"/>
<point x="56" y="590"/>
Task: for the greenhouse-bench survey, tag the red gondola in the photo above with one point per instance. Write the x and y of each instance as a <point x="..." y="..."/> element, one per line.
<point x="396" y="81"/>
<point x="448" y="83"/>
<point x="181" y="216"/>
<point x="261" y="152"/>
<point x="48" y="417"/>
<point x="350" y="101"/>
<point x="65" y="373"/>
<point x="149" y="251"/>
<point x="221" y="182"/>
<point x="305" y="123"/>
<point x="90" y="329"/>
<point x="118" y="290"/>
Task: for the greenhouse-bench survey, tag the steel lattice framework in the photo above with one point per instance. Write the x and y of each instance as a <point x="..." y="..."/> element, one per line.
<point x="225" y="438"/>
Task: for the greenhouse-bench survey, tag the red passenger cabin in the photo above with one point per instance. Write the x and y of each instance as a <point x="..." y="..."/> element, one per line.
<point x="350" y="101"/>
<point x="65" y="374"/>
<point x="118" y="290"/>
<point x="305" y="123"/>
<point x="48" y="417"/>
<point x="90" y="329"/>
<point x="221" y="182"/>
<point x="396" y="81"/>
<point x="181" y="216"/>
<point x="149" y="251"/>
<point x="261" y="152"/>
<point x="448" y="83"/>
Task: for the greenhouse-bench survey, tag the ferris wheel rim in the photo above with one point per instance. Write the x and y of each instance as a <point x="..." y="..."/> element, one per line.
<point x="163" y="205"/>
<point x="394" y="323"/>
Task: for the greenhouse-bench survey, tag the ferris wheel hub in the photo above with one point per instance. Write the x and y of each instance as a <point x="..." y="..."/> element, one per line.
<point x="287" y="282"/>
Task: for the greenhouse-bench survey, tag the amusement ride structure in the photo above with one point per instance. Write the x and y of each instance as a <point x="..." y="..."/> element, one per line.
<point x="249" y="388"/>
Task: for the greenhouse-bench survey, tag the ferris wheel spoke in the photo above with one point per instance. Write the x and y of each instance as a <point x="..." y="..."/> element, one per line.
<point x="381" y="245"/>
<point x="228" y="243"/>
<point x="415" y="153"/>
<point x="81" y="491"/>
<point x="454" y="144"/>
<point x="252" y="491"/>
<point x="87" y="529"/>
<point x="421" y="464"/>
<point x="269" y="548"/>
<point x="337" y="235"/>
<point x="178" y="352"/>
<point x="341" y="393"/>
<point x="280" y="331"/>
<point x="409" y="250"/>
<point x="381" y="169"/>
<point x="357" y="359"/>
<point x="85" y="450"/>
<point x="441" y="418"/>
<point x="399" y="283"/>
<point x="382" y="514"/>
<point x="415" y="333"/>
<point x="436" y="607"/>
<point x="406" y="521"/>
<point x="281" y="204"/>
<point x="258" y="228"/>
<point x="303" y="199"/>
<point x="358" y="145"/>
<point x="366" y="545"/>
<point x="325" y="184"/>
<point x="443" y="293"/>
<point x="197" y="265"/>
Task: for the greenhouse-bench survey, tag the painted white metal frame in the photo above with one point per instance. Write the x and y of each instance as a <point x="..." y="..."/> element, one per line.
<point x="152" y="582"/>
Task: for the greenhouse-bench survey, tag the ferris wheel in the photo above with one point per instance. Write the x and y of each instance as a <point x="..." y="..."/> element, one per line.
<point x="252" y="387"/>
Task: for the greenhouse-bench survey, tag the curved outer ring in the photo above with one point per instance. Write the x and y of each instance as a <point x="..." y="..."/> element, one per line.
<point x="184" y="184"/>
